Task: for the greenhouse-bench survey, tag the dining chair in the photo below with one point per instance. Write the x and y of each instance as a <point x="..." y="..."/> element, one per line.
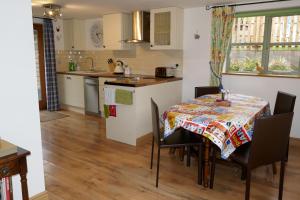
<point x="274" y="130"/>
<point x="180" y="138"/>
<point x="200" y="91"/>
<point x="285" y="103"/>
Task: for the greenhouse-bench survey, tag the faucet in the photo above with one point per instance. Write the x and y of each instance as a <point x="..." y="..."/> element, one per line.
<point x="92" y="68"/>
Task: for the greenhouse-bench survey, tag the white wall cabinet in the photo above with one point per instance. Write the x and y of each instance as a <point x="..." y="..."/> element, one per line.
<point x="116" y="29"/>
<point x="71" y="90"/>
<point x="74" y="34"/>
<point x="166" y="28"/>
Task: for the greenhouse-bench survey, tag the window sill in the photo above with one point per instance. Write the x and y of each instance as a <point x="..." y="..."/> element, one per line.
<point x="262" y="75"/>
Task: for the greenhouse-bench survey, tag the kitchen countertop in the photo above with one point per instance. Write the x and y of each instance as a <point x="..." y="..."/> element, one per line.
<point x="142" y="82"/>
<point x="122" y="80"/>
<point x="91" y="74"/>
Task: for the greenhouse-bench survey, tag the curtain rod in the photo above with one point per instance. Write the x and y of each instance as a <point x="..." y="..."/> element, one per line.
<point x="208" y="7"/>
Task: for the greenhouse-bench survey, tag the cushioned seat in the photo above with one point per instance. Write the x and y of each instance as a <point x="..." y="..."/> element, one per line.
<point x="181" y="137"/>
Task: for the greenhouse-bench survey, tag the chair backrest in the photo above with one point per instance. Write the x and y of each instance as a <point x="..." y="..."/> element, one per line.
<point x="270" y="139"/>
<point x="155" y="122"/>
<point x="200" y="91"/>
<point x="284" y="103"/>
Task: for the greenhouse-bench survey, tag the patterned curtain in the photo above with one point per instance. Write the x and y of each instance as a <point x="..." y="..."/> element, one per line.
<point x="50" y="66"/>
<point x="222" y="22"/>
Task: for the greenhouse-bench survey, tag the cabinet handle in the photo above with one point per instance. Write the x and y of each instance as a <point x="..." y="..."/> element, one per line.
<point x="151" y="45"/>
<point x="104" y="46"/>
<point x="68" y="77"/>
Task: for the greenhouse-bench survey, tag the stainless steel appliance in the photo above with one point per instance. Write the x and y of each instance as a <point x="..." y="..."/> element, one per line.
<point x="140" y="27"/>
<point x="91" y="95"/>
<point x="164" y="72"/>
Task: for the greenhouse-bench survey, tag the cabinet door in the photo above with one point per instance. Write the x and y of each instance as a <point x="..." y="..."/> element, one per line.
<point x="116" y="29"/>
<point x="162" y="28"/>
<point x="166" y="28"/>
<point x="79" y="35"/>
<point x="68" y="34"/>
<point x="71" y="90"/>
<point x="112" y="31"/>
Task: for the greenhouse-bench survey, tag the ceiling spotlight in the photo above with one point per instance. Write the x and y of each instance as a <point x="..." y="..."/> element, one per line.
<point x="52" y="11"/>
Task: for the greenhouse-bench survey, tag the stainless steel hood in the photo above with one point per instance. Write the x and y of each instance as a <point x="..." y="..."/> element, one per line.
<point x="140" y="27"/>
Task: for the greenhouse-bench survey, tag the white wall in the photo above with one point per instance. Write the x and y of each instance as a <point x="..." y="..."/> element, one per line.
<point x="19" y="116"/>
<point x="196" y="58"/>
<point x="195" y="52"/>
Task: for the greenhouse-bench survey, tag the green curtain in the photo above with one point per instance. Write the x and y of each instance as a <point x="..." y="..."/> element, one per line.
<point x="222" y="22"/>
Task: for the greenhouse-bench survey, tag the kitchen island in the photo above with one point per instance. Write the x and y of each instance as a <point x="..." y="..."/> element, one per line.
<point x="134" y="121"/>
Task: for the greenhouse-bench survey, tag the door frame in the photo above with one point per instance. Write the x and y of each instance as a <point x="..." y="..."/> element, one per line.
<point x="39" y="29"/>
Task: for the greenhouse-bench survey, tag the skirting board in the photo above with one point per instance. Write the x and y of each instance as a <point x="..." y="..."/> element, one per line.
<point x="40" y="196"/>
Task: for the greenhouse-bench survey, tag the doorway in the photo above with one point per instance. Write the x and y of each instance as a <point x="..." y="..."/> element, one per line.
<point x="40" y="65"/>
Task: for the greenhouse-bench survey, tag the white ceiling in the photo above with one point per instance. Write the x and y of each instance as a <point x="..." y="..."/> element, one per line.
<point x="83" y="9"/>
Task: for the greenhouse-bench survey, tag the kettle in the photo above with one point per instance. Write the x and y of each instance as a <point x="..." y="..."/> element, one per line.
<point x="119" y="69"/>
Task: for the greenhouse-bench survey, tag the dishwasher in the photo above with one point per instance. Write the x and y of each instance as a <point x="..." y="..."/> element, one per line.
<point x="91" y="96"/>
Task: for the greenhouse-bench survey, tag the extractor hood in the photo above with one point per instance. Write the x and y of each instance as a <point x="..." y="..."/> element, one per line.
<point x="140" y="27"/>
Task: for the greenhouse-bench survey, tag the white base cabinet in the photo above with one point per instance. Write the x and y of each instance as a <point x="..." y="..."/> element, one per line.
<point x="71" y="90"/>
<point x="134" y="121"/>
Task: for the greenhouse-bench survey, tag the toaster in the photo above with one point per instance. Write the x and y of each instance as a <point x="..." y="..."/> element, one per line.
<point x="164" y="72"/>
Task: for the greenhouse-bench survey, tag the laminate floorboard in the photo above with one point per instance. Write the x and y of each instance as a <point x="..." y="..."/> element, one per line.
<point x="81" y="164"/>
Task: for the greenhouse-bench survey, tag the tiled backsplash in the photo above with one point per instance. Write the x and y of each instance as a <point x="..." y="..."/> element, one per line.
<point x="140" y="59"/>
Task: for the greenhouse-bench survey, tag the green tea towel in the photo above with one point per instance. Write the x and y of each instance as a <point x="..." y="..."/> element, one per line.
<point x="106" y="111"/>
<point x="123" y="97"/>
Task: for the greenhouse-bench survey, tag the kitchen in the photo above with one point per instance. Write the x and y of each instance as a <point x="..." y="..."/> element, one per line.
<point x="138" y="57"/>
<point x="102" y="86"/>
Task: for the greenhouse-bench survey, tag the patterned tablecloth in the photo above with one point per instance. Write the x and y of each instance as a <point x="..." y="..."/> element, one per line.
<point x="227" y="127"/>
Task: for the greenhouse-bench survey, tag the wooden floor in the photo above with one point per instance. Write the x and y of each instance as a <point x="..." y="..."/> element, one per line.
<point x="80" y="163"/>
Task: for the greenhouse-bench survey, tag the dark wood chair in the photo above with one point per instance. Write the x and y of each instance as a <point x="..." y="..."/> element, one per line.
<point x="200" y="91"/>
<point x="180" y="138"/>
<point x="263" y="151"/>
<point x="285" y="103"/>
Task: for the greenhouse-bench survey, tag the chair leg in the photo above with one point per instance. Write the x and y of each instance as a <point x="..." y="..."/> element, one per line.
<point x="282" y="170"/>
<point x="274" y="168"/>
<point x="244" y="173"/>
<point x="200" y="168"/>
<point x="212" y="169"/>
<point x="181" y="153"/>
<point x="188" y="156"/>
<point x="248" y="181"/>
<point x="287" y="152"/>
<point x="157" y="169"/>
<point x="152" y="152"/>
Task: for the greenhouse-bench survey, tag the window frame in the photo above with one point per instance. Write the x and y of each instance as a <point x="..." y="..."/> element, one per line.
<point x="266" y="44"/>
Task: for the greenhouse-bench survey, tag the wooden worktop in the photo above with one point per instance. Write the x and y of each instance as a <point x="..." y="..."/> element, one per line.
<point x="145" y="80"/>
<point x="91" y="74"/>
<point x="142" y="82"/>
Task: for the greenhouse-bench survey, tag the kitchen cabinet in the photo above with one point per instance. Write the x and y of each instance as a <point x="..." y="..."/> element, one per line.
<point x="116" y="29"/>
<point x="71" y="90"/>
<point x="166" y="28"/>
<point x="74" y="34"/>
<point x="101" y="92"/>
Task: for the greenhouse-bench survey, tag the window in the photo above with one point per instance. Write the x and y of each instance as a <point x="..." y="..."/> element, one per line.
<point x="265" y="42"/>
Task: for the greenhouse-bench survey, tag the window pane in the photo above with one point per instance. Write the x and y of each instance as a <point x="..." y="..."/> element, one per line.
<point x="245" y="58"/>
<point x="248" y="30"/>
<point x="286" y="29"/>
<point x="284" y="59"/>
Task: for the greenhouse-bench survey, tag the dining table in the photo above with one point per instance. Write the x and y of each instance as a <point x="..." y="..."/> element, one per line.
<point x="226" y="124"/>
